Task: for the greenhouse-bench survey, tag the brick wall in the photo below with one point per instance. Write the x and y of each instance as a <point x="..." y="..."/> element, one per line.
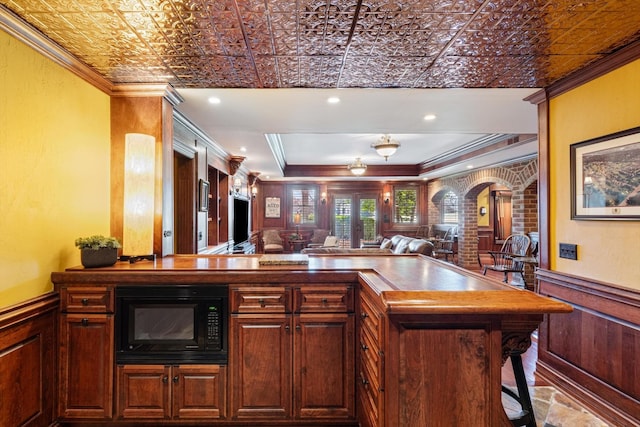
<point x="521" y="178"/>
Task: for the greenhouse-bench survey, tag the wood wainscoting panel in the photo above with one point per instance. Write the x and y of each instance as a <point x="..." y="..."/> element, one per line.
<point x="27" y="362"/>
<point x="593" y="353"/>
<point x="468" y="367"/>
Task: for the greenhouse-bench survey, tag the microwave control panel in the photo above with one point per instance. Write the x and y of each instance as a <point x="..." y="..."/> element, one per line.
<point x="214" y="334"/>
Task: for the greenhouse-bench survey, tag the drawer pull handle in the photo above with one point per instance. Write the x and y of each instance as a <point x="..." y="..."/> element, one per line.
<point x="165" y="379"/>
<point x="364" y="347"/>
<point x="324" y="300"/>
<point x="364" y="381"/>
<point x="261" y="302"/>
<point x="85" y="301"/>
<point x="175" y="379"/>
<point x="85" y="322"/>
<point x="364" y="316"/>
<point x="286" y="328"/>
<point x="298" y="327"/>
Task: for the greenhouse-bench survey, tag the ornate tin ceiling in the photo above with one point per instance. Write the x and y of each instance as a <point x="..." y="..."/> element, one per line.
<point x="335" y="43"/>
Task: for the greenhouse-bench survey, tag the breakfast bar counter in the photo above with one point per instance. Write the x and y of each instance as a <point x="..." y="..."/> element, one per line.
<point x="413" y="341"/>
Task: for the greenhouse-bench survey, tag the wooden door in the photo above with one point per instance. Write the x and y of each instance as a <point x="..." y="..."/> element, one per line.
<point x="199" y="391"/>
<point x="260" y="365"/>
<point x="86" y="366"/>
<point x="324" y="367"/>
<point x="144" y="392"/>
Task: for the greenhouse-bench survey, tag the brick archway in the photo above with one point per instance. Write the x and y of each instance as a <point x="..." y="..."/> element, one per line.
<point x="516" y="176"/>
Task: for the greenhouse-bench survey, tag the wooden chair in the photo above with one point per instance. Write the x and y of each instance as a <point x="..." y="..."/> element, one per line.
<point x="443" y="248"/>
<point x="516" y="245"/>
<point x="272" y="242"/>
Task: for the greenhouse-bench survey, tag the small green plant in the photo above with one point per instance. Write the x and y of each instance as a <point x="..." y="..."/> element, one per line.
<point x="97" y="242"/>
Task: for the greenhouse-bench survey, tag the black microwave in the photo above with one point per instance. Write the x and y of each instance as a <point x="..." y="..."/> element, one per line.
<point x="171" y="324"/>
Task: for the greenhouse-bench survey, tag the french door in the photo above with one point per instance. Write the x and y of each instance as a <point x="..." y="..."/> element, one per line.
<point x="355" y="218"/>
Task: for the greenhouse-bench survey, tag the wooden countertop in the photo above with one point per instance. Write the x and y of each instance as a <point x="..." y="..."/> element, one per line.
<point x="406" y="283"/>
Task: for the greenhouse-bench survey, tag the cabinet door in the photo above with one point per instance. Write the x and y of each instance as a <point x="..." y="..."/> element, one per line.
<point x="199" y="391"/>
<point x="260" y="366"/>
<point x="86" y="366"/>
<point x="324" y="366"/>
<point x="144" y="392"/>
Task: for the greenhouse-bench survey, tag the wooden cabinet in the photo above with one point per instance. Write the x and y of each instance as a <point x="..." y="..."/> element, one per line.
<point x="183" y="392"/>
<point x="86" y="353"/>
<point x="296" y="342"/>
<point x="371" y="362"/>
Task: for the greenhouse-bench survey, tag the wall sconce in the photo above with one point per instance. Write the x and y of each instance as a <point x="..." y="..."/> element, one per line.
<point x="483" y="210"/>
<point x="387" y="197"/>
<point x="139" y="197"/>
<point x="254" y="191"/>
<point x="323" y="198"/>
<point x="237" y="185"/>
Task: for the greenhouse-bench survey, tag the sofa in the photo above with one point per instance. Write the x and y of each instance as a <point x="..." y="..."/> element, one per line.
<point x="397" y="244"/>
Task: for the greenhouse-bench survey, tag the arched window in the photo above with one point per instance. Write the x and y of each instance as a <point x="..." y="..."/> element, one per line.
<point x="449" y="208"/>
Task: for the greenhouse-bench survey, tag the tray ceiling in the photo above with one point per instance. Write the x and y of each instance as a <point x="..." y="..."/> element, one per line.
<point x="341" y="44"/>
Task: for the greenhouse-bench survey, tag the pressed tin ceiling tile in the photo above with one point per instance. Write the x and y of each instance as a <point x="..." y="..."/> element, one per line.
<point x="335" y="43"/>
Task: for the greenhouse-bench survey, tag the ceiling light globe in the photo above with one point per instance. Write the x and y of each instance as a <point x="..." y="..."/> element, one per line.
<point x="357" y="168"/>
<point x="386" y="146"/>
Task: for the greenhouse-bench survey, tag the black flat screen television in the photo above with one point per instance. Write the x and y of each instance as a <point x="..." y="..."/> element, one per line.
<point x="240" y="220"/>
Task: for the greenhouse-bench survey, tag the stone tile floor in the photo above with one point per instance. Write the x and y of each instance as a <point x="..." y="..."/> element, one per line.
<point x="551" y="407"/>
<point x="554" y="409"/>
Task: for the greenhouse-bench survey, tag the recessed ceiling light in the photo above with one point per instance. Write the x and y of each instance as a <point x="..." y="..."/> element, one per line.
<point x="333" y="100"/>
<point x="243" y="149"/>
<point x="469" y="166"/>
<point x="430" y="117"/>
<point x="214" y="100"/>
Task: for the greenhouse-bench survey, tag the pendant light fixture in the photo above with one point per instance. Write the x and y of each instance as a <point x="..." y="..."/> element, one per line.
<point x="385" y="146"/>
<point x="357" y="168"/>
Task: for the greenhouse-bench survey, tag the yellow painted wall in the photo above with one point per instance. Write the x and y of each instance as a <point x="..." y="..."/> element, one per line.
<point x="54" y="169"/>
<point x="483" y="201"/>
<point x="607" y="250"/>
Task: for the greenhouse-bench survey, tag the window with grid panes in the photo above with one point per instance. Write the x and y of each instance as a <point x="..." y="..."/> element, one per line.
<point x="303" y="205"/>
<point x="449" y="208"/>
<point x="405" y="205"/>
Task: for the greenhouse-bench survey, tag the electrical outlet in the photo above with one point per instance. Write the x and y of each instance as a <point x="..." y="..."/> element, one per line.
<point x="568" y="251"/>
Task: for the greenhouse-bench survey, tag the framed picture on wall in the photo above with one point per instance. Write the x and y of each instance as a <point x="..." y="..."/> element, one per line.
<point x="203" y="195"/>
<point x="272" y="207"/>
<point x="605" y="177"/>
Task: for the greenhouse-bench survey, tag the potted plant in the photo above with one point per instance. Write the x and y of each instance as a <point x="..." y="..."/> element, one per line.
<point x="98" y="250"/>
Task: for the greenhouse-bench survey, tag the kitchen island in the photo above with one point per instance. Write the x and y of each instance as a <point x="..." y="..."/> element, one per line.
<point x="401" y="340"/>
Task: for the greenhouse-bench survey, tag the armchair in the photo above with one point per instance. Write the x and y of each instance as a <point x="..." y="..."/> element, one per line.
<point x="318" y="238"/>
<point x="516" y="245"/>
<point x="272" y="242"/>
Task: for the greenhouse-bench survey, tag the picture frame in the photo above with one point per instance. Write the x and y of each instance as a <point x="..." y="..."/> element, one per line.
<point x="605" y="177"/>
<point x="203" y="195"/>
<point x="272" y="207"/>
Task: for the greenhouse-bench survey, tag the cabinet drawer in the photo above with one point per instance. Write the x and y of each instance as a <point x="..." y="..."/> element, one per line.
<point x="370" y="319"/>
<point x="318" y="299"/>
<point x="87" y="300"/>
<point x="369" y="402"/>
<point x="370" y="354"/>
<point x="260" y="300"/>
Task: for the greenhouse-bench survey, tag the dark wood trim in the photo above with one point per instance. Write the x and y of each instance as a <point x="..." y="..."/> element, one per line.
<point x="599" y="68"/>
<point x="28" y="357"/>
<point x="544" y="191"/>
<point x="591" y="353"/>
<point x="292" y="171"/>
<point x="27" y="310"/>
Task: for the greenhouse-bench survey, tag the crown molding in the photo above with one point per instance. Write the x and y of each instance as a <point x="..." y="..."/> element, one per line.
<point x="605" y="65"/>
<point x="21" y="30"/>
<point x="141" y="90"/>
